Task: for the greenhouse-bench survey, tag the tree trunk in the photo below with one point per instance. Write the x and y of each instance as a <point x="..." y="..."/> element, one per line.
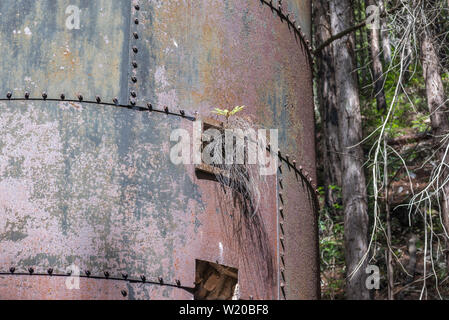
<point x="388" y="255"/>
<point x="327" y="106"/>
<point x="384" y="35"/>
<point x="377" y="67"/>
<point x="350" y="135"/>
<point x="438" y="109"/>
<point x="363" y="45"/>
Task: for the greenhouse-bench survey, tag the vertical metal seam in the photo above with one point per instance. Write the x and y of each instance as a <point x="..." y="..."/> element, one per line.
<point x="291" y="22"/>
<point x="278" y="229"/>
<point x="281" y="226"/>
<point x="133" y="51"/>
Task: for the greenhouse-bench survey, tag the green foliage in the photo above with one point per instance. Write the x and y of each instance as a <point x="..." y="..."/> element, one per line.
<point x="228" y="113"/>
<point x="332" y="255"/>
<point x="410" y="109"/>
<point x="421" y="123"/>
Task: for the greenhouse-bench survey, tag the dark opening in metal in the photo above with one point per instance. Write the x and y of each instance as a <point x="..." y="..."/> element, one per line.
<point x="215" y="282"/>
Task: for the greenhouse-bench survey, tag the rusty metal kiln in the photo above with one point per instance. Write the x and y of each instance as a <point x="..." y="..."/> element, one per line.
<point x="90" y="91"/>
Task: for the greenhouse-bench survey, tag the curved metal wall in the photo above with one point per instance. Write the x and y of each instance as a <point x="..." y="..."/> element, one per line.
<point x="85" y="173"/>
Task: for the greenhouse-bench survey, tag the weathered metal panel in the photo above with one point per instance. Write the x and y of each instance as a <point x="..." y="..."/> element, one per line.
<point x="227" y="53"/>
<point x="42" y="54"/>
<point x="217" y="53"/>
<point x="302" y="11"/>
<point x="92" y="184"/>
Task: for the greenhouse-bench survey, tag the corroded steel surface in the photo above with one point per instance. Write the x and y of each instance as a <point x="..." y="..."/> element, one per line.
<point x="40" y="54"/>
<point x="93" y="184"/>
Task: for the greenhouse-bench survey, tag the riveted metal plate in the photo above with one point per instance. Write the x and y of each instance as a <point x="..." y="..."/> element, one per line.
<point x="301" y="11"/>
<point x="92" y="186"/>
<point x="43" y="47"/>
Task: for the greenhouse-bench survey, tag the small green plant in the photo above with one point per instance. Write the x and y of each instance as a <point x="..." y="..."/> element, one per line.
<point x="228" y="113"/>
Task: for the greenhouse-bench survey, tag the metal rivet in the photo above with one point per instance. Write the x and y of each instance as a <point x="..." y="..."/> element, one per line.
<point x="44" y="95"/>
<point x="161" y="280"/>
<point x="50" y="271"/>
<point x="62" y="96"/>
<point x="125" y="276"/>
<point x="9" y="95"/>
<point x="12" y="269"/>
<point x="136" y="21"/>
<point x="80" y="97"/>
<point x="87" y="273"/>
<point x="98" y="99"/>
<point x="178" y="283"/>
<point x="106" y="274"/>
<point x="31" y="270"/>
<point x="136" y="35"/>
<point x="133" y="102"/>
<point x="282" y="285"/>
<point x="137" y="7"/>
<point x="166" y="109"/>
<point x="135" y="49"/>
<point x="294" y="163"/>
<point x="69" y="273"/>
<point x="143" y="278"/>
<point x="182" y="112"/>
<point x="150" y="107"/>
<point x="27" y="95"/>
<point x="134" y="64"/>
<point x="115" y="100"/>
<point x="251" y="298"/>
<point x="124" y="293"/>
<point x="134" y="79"/>
<point x="133" y="94"/>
